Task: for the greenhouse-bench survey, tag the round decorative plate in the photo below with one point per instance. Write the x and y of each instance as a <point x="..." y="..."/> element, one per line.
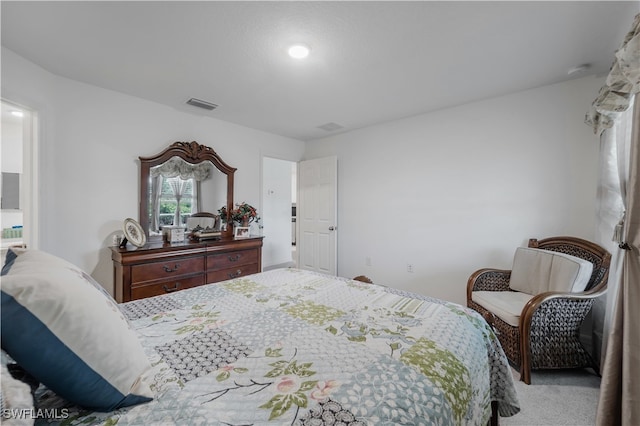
<point x="134" y="232"/>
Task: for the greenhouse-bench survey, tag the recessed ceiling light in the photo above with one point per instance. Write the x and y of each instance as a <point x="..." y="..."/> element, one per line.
<point x="299" y="51"/>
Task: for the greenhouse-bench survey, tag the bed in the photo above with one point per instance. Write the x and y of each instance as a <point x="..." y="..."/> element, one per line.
<point x="295" y="347"/>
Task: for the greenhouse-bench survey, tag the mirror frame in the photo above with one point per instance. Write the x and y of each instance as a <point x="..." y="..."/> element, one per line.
<point x="191" y="152"/>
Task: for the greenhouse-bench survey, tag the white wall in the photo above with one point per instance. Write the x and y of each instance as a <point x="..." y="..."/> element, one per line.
<point x="459" y="189"/>
<point x="89" y="145"/>
<point x="449" y="191"/>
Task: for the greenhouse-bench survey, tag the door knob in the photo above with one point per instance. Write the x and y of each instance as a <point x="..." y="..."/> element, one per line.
<point x="333" y="228"/>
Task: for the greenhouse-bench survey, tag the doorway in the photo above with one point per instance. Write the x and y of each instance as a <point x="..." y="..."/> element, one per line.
<point x="18" y="182"/>
<point x="279" y="192"/>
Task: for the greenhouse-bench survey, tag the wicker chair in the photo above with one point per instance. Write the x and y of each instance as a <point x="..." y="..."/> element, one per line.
<point x="548" y="331"/>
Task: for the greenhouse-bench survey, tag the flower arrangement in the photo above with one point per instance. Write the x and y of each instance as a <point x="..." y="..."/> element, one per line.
<point x="243" y="213"/>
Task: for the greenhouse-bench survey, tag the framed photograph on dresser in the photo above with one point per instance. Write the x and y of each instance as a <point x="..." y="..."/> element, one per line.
<point x="241" y="232"/>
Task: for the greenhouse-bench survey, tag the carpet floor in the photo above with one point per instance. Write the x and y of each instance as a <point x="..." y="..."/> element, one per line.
<point x="556" y="397"/>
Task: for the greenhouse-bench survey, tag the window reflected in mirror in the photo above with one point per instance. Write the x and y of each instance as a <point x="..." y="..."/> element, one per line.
<point x="178" y="189"/>
<point x="176" y="201"/>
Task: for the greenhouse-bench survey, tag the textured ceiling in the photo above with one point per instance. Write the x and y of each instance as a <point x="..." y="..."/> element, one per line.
<point x="370" y="62"/>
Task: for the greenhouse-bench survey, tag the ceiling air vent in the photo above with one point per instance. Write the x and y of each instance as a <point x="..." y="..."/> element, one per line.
<point x="330" y="127"/>
<point x="202" y="104"/>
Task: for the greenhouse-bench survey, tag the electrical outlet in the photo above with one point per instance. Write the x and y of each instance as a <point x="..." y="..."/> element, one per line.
<point x="367" y="261"/>
<point x="409" y="267"/>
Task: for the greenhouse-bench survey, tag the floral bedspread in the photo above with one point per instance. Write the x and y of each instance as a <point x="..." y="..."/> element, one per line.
<point x="295" y="347"/>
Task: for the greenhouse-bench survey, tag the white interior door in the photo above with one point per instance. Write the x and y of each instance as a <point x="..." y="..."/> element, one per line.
<point x="317" y="215"/>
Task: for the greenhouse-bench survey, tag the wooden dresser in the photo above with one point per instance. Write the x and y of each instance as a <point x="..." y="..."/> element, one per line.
<point x="160" y="268"/>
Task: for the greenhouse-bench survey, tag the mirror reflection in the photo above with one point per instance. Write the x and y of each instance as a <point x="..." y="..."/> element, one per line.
<point x="182" y="187"/>
<point x="178" y="190"/>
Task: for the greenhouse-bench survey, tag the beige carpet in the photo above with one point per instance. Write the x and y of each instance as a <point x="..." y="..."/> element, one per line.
<point x="556" y="397"/>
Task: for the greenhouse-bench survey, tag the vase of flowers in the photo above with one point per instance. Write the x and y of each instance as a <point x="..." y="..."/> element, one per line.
<point x="242" y="215"/>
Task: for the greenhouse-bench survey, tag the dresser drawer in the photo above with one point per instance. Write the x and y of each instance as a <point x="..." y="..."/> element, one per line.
<point x="232" y="259"/>
<point x="164" y="287"/>
<point x="166" y="269"/>
<point x="227" y="274"/>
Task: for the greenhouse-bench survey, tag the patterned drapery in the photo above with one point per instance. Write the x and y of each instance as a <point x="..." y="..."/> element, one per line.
<point x="622" y="83"/>
<point x="176" y="166"/>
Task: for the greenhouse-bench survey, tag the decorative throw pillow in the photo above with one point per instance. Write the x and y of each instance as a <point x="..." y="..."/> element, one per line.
<point x="68" y="333"/>
<point x="537" y="271"/>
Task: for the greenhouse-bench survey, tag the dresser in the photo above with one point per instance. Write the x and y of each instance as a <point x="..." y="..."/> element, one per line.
<point x="161" y="268"/>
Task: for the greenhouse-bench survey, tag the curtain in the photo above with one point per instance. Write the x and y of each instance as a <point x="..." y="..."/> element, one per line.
<point x="197" y="190"/>
<point x="178" y="187"/>
<point x="619" y="402"/>
<point x="156" y="185"/>
<point x="176" y="166"/>
<point x="622" y="83"/>
<point x="611" y="196"/>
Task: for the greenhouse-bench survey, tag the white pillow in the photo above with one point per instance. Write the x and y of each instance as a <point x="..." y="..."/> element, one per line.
<point x="69" y="334"/>
<point x="537" y="271"/>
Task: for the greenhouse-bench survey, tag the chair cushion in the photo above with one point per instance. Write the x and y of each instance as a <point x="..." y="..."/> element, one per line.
<point x="507" y="305"/>
<point x="61" y="327"/>
<point x="537" y="271"/>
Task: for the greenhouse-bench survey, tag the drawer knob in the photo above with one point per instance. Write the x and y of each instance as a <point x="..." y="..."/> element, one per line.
<point x="169" y="269"/>
<point x="235" y="274"/>
<point x="176" y="287"/>
<point x="234" y="258"/>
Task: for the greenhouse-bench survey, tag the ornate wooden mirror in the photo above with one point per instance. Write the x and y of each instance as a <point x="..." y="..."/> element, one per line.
<point x="185" y="179"/>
